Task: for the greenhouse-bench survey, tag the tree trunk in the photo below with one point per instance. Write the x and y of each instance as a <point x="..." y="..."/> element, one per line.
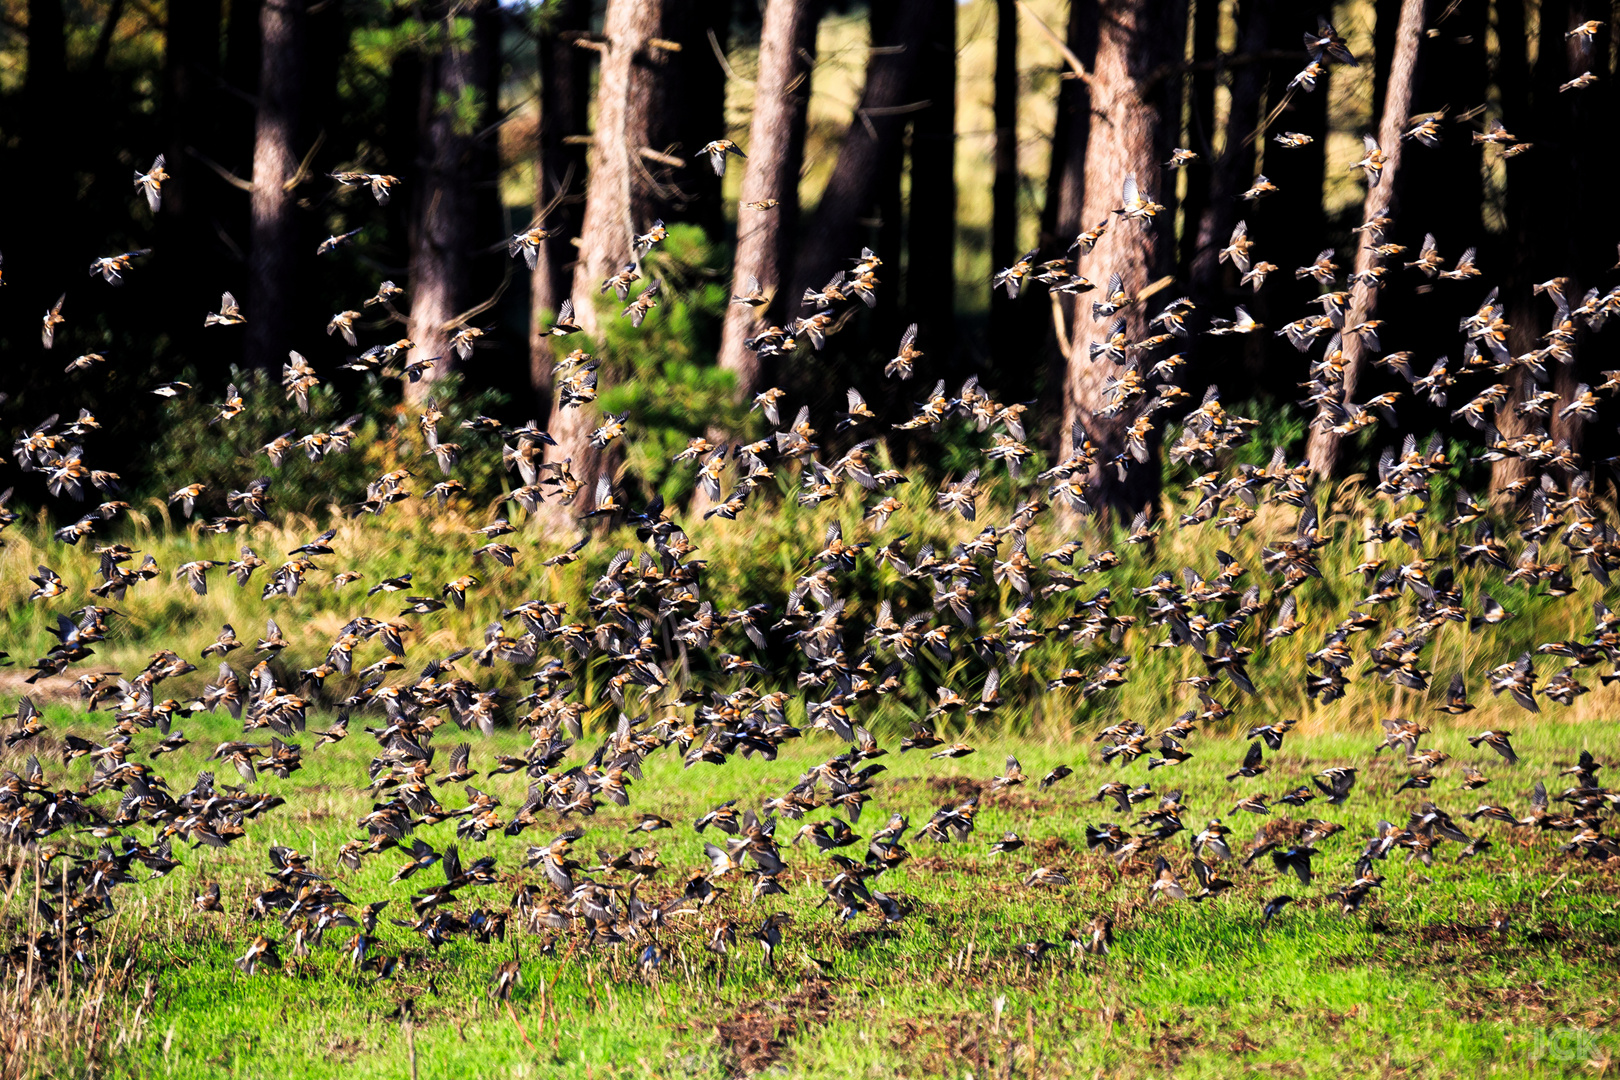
<point x="1065" y="197"/>
<point x="242" y="57"/>
<point x="1133" y="120"/>
<point x="620" y="201"/>
<point x="701" y="90"/>
<point x="559" y="171"/>
<point x="1230" y="173"/>
<point x="188" y="215"/>
<point x="190" y="66"/>
<point x="1004" y="186"/>
<point x="889" y="211"/>
<point x="1515" y="247"/>
<point x="1065" y="181"/>
<point x="42" y="230"/>
<point x="46" y="94"/>
<point x="1583" y="253"/>
<point x="931" y="212"/>
<point x="1324" y="446"/>
<point x="873" y="139"/>
<point x="775" y="153"/>
<point x="238" y="87"/>
<point x="1201" y="129"/>
<point x="1288" y="227"/>
<point x="454" y="161"/>
<point x="277" y="150"/>
<point x="1447" y="189"/>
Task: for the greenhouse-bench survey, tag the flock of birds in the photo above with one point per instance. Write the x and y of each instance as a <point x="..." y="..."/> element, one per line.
<point x="133" y="816"/>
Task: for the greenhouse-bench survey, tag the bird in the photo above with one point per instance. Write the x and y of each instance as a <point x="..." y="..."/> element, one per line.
<point x="229" y="313"/>
<point x="111" y="268"/>
<point x="381" y="185"/>
<point x="1138" y="207"/>
<point x="53" y="319"/>
<point x="717" y="150"/>
<point x="905" y="360"/>
<point x="150" y="183"/>
<point x="1273" y="907"/>
<point x="573" y="682"/>
<point x="1497" y="740"/>
<point x="564" y="323"/>
<point x="1011" y="278"/>
<point x="335" y="241"/>
<point x="752" y="295"/>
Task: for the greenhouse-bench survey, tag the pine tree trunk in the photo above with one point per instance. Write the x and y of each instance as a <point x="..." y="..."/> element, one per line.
<point x="274" y="228"/>
<point x="188" y="213"/>
<point x="775" y="154"/>
<point x="866" y="153"/>
<point x="1004" y="184"/>
<point x="1324" y="446"/>
<point x="1065" y="182"/>
<point x="1515" y="248"/>
<point x="620" y="201"/>
<point x="236" y="112"/>
<point x="931" y="211"/>
<point x="1201" y="127"/>
<point x="455" y="172"/>
<point x="559" y="172"/>
<point x="1585" y="252"/>
<point x="1065" y="198"/>
<point x="1133" y="122"/>
<point x="1289" y="226"/>
<point x="700" y="86"/>
<point x="1230" y="172"/>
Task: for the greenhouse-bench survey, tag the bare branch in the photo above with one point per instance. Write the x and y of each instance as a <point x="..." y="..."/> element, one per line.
<point x="1072" y="60"/>
<point x="303" y="166"/>
<point x="725" y="65"/>
<point x="662" y="158"/>
<point x="224" y="173"/>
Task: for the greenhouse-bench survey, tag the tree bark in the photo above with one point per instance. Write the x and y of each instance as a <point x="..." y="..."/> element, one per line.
<point x="1229" y="174"/>
<point x="1324" y="446"/>
<point x="238" y="86"/>
<point x="1004" y="185"/>
<point x="1065" y="197"/>
<point x="1065" y="181"/>
<point x="775" y="154"/>
<point x="1288" y="227"/>
<point x="931" y="212"/>
<point x="1133" y="122"/>
<point x="456" y="175"/>
<point x="889" y="208"/>
<point x="46" y="94"/>
<point x="866" y="153"/>
<point x="1205" y="18"/>
<point x="1582" y="253"/>
<point x="620" y="201"/>
<point x="189" y="212"/>
<point x="277" y="150"/>
<point x="42" y="230"/>
<point x="559" y="171"/>
<point x="701" y="90"/>
<point x="1515" y="247"/>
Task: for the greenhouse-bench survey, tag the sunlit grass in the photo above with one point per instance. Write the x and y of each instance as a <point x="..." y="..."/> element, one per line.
<point x="1415" y="980"/>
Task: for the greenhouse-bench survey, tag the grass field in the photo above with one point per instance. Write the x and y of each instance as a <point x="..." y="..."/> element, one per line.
<point x="1416" y="983"/>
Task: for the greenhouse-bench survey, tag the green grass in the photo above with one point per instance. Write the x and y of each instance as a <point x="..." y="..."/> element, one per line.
<point x="1413" y="982"/>
<point x="759" y="558"/>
